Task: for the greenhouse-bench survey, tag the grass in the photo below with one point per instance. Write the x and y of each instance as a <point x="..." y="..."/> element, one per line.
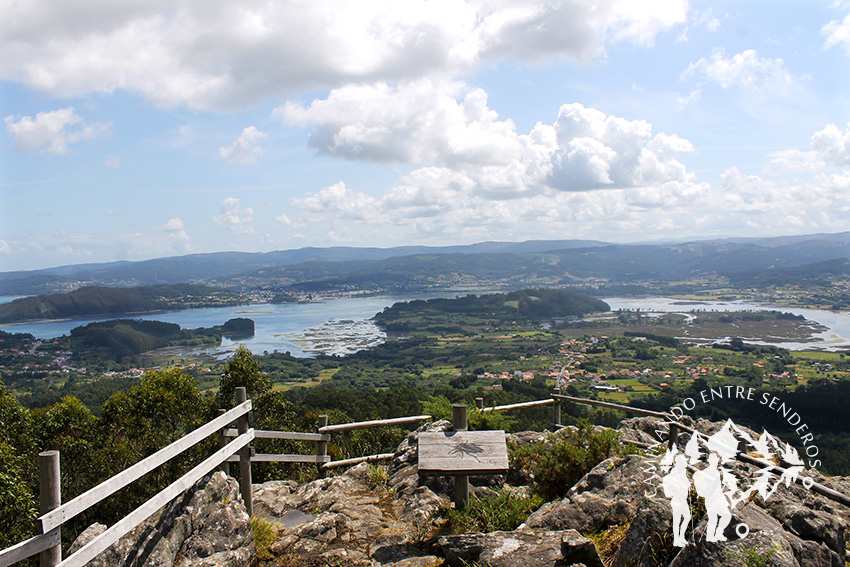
<point x="265" y="534"/>
<point x="504" y="512"/>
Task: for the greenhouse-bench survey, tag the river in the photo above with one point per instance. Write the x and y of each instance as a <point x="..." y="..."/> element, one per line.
<point x="343" y="326"/>
<point x="337" y="326"/>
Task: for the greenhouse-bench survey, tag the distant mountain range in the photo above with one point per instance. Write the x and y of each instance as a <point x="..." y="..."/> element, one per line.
<point x="508" y="264"/>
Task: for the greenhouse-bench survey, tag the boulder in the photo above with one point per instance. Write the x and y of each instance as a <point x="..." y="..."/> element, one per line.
<point x="347" y="519"/>
<point x="521" y="548"/>
<point x="607" y="495"/>
<point x="207" y="527"/>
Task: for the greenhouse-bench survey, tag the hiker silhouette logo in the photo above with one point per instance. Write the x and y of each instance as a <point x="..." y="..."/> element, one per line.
<point x="707" y="468"/>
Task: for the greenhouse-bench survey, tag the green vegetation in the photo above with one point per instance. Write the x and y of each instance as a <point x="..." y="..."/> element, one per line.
<point x="556" y="466"/>
<point x="97" y="301"/>
<point x="265" y="534"/>
<point x="118" y="339"/>
<point x="503" y="512"/>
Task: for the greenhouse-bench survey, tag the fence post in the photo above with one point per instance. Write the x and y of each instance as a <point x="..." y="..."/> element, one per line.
<point x="222" y="441"/>
<point x="479" y="403"/>
<point x="556" y="410"/>
<point x="673" y="435"/>
<point x="49" y="498"/>
<point x="321" y="446"/>
<point x="244" y="456"/>
<point x="459" y="422"/>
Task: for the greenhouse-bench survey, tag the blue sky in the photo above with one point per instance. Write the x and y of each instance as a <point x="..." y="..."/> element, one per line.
<point x="153" y="128"/>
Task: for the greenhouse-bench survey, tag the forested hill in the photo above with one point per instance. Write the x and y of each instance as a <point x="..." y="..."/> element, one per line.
<point x="527" y="304"/>
<point x="121" y="338"/>
<point x="97" y="301"/>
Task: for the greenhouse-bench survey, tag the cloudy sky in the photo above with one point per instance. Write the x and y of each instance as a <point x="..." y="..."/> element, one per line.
<point x="147" y="128"/>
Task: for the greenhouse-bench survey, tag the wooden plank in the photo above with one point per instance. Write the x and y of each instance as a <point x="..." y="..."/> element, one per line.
<point x="358" y="460"/>
<point x="292" y="435"/>
<point x="284" y="458"/>
<point x="462" y="453"/>
<point x="630" y="409"/>
<point x="146" y="510"/>
<point x="110" y="486"/>
<point x="520" y="405"/>
<point x="373" y="423"/>
<point x="30" y="547"/>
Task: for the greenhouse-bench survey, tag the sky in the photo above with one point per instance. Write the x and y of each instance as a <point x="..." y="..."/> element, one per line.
<point x="150" y="128"/>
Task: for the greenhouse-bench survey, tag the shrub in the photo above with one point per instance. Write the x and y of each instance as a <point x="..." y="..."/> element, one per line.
<point x="554" y="466"/>
<point x="265" y="534"/>
<point x="503" y="512"/>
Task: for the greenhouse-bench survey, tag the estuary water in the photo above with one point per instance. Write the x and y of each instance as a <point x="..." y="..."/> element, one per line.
<point x="344" y="326"/>
<point x="837" y="335"/>
<point x="337" y="326"/>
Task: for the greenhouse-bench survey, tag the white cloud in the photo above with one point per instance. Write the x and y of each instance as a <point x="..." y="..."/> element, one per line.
<point x="283" y="219"/>
<point x="448" y="125"/>
<point x="235" y="218"/>
<point x="229" y="54"/>
<point x="744" y="70"/>
<point x="837" y="34"/>
<point x="175" y="228"/>
<point x="419" y="122"/>
<point x="831" y="149"/>
<point x="113" y="161"/>
<point x="246" y="149"/>
<point x="51" y="132"/>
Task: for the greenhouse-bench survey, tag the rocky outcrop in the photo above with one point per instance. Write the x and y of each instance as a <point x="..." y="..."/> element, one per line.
<point x="609" y="494"/>
<point x="521" y="548"/>
<point x="207" y="527"/>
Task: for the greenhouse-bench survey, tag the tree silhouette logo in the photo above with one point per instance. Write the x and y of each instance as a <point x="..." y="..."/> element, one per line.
<point x="706" y="466"/>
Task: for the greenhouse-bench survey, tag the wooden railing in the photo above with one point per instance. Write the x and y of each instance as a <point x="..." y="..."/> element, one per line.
<point x="54" y="514"/>
<point x="673" y="428"/>
<point x="323" y="434"/>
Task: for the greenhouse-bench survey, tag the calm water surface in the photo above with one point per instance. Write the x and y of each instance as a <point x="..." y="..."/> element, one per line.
<point x="342" y="326"/>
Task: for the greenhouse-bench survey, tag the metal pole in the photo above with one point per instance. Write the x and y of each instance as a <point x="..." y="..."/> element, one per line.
<point x="49" y="498"/>
<point x="244" y="456"/>
<point x="459" y="421"/>
<point x="321" y="446"/>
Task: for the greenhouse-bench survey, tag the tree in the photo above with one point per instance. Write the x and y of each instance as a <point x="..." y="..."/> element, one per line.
<point x="242" y="370"/>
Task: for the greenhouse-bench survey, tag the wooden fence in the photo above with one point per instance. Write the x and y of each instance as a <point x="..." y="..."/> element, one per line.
<point x="54" y="513"/>
<point x="672" y="434"/>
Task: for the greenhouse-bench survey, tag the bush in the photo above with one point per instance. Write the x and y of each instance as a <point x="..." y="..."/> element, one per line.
<point x="554" y="466"/>
<point x="504" y="512"/>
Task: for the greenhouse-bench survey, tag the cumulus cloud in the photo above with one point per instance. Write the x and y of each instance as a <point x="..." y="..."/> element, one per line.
<point x="831" y="148"/>
<point x="449" y="128"/>
<point x="51" y="132"/>
<point x="837" y="34"/>
<point x="417" y="122"/>
<point x="235" y="218"/>
<point x="175" y="228"/>
<point x="743" y="70"/>
<point x="229" y="54"/>
<point x="246" y="149"/>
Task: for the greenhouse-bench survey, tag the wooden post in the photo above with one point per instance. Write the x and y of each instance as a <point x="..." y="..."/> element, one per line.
<point x="222" y="441"/>
<point x="321" y="446"/>
<point x="459" y="422"/>
<point x="556" y="411"/>
<point x="673" y="435"/>
<point x="49" y="498"/>
<point x="244" y="457"/>
<point x="479" y="403"/>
